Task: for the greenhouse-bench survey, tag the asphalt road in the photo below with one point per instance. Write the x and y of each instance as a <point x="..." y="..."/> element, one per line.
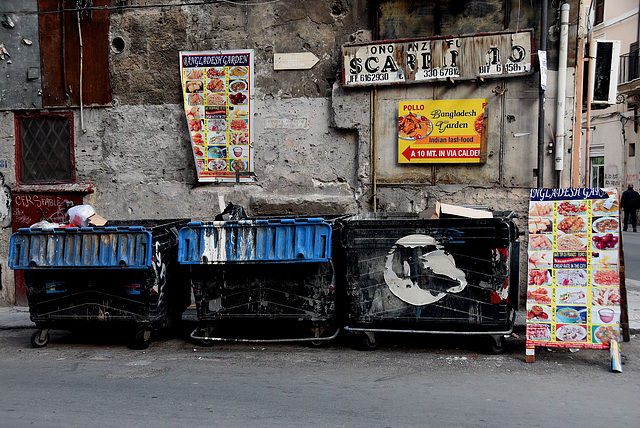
<point x="426" y="381"/>
<point x="631" y="249"/>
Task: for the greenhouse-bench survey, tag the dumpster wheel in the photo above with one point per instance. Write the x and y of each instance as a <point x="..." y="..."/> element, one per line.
<point x="321" y="338"/>
<point x="40" y="338"/>
<point x="140" y="339"/>
<point x="367" y="341"/>
<point x="496" y="344"/>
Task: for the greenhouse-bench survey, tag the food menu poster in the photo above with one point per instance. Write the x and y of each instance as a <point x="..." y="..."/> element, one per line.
<point x="441" y="131"/>
<point x="217" y="88"/>
<point x="573" y="292"/>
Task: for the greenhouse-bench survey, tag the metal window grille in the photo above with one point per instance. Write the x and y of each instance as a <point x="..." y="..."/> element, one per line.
<point x="46" y="149"/>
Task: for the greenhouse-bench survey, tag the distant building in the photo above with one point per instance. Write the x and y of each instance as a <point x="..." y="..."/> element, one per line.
<point x="612" y="159"/>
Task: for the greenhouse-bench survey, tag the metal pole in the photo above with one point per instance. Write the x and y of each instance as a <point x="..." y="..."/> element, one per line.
<point x="562" y="90"/>
<point x="541" y="99"/>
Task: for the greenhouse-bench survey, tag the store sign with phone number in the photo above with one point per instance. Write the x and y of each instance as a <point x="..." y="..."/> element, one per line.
<point x="573" y="292"/>
<point x="217" y="88"/>
<point x="462" y="57"/>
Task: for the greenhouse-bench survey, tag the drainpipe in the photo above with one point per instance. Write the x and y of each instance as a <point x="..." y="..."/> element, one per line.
<point x="541" y="100"/>
<point x="562" y="89"/>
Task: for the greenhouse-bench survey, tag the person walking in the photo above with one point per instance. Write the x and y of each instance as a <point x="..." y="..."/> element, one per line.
<point x="630" y="202"/>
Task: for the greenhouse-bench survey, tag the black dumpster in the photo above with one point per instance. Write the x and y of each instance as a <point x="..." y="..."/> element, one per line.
<point x="123" y="273"/>
<point x="264" y="280"/>
<point x="440" y="276"/>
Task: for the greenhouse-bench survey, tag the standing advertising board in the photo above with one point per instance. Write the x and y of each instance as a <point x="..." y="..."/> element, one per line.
<point x="442" y="131"/>
<point x="217" y="87"/>
<point x="573" y="294"/>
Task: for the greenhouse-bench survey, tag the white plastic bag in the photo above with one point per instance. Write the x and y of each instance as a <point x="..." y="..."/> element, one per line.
<point x="79" y="214"/>
<point x="44" y="225"/>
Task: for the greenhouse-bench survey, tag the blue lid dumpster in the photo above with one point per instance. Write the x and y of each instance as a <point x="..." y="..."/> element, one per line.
<point x="125" y="272"/>
<point x="246" y="272"/>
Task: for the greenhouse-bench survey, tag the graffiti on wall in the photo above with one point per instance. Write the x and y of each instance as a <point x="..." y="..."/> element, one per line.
<point x="612" y="180"/>
<point x="30" y="208"/>
<point x="5" y="204"/>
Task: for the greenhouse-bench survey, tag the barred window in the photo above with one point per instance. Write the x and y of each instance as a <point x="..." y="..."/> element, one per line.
<point x="44" y="148"/>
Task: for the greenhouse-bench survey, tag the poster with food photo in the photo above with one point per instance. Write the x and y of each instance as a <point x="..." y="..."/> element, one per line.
<point x="217" y="87"/>
<point x="573" y="295"/>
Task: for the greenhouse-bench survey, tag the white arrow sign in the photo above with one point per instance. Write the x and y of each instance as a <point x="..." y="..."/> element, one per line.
<point x="294" y="61"/>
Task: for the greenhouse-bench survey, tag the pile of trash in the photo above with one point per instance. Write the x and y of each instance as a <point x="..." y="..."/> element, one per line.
<point x="79" y="216"/>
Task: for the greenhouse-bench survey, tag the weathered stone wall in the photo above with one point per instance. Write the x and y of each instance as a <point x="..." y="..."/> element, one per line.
<point x="7" y="174"/>
<point x="138" y="152"/>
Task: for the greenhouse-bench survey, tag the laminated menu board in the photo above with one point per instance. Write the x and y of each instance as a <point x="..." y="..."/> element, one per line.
<point x="573" y="292"/>
<point x="217" y="88"/>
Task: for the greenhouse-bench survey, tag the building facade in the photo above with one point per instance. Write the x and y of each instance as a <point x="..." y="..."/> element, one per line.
<point x="92" y="110"/>
<point x="614" y="130"/>
<point x="626" y="22"/>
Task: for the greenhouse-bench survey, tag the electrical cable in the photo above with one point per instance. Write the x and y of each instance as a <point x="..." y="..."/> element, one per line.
<point x="143" y="6"/>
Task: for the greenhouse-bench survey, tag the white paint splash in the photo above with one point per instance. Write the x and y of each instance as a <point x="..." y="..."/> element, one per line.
<point x="438" y="261"/>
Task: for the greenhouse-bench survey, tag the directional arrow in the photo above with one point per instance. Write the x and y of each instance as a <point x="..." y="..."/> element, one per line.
<point x="407" y="153"/>
<point x="419" y="153"/>
<point x="442" y="152"/>
<point x="294" y="61"/>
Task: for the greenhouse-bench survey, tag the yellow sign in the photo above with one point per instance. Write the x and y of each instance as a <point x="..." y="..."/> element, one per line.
<point x="444" y="131"/>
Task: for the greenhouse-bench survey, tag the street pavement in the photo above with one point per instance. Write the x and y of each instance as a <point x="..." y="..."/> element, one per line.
<point x="431" y="381"/>
<point x="15" y="317"/>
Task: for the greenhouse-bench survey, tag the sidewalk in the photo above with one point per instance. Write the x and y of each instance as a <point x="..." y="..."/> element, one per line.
<point x="14" y="317"/>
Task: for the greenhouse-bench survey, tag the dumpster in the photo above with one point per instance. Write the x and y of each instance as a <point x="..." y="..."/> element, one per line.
<point x="264" y="280"/>
<point x="124" y="273"/>
<point x="440" y="276"/>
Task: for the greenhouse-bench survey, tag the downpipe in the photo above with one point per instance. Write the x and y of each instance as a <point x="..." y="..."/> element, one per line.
<point x="562" y="91"/>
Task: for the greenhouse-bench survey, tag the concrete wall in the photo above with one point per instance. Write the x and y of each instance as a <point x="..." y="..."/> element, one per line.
<point x="138" y="153"/>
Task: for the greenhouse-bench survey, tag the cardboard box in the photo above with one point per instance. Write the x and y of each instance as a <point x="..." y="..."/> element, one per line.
<point x="96" y="220"/>
<point x="447" y="210"/>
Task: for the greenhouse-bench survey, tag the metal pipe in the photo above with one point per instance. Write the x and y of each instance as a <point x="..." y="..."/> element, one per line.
<point x="374" y="147"/>
<point x="230" y="339"/>
<point x="452" y="332"/>
<point x="562" y="89"/>
<point x="541" y="100"/>
<point x="468" y="333"/>
<point x="84" y="130"/>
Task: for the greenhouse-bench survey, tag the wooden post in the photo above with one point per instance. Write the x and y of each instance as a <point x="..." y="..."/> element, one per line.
<point x="624" y="309"/>
<point x="590" y="65"/>
<point x="577" y="134"/>
<point x="531" y="354"/>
